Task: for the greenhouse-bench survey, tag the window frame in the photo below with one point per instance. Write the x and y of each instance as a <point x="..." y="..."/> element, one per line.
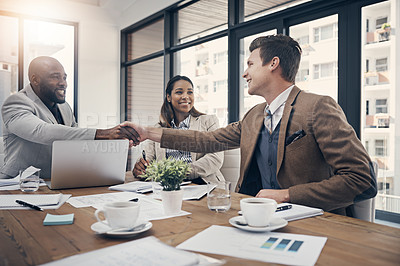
<point x="348" y="67"/>
<point x="21" y="18"/>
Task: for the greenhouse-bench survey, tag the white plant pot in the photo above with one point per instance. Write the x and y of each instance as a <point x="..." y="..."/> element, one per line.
<point x="172" y="201"/>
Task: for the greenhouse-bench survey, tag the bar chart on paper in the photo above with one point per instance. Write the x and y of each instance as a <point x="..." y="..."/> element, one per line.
<point x="275" y="247"/>
<point x="290" y="245"/>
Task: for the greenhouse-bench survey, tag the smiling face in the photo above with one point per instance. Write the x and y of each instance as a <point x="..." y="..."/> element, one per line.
<point x="182" y="97"/>
<point x="49" y="80"/>
<point x="257" y="75"/>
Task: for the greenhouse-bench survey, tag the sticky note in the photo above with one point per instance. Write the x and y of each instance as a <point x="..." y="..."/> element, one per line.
<point x="51" y="219"/>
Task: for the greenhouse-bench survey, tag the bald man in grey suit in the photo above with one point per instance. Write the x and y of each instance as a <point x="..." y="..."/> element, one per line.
<point x="38" y="115"/>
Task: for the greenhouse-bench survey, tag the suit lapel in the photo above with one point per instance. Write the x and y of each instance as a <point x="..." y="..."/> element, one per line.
<point x="64" y="114"/>
<point x="32" y="95"/>
<point x="284" y="123"/>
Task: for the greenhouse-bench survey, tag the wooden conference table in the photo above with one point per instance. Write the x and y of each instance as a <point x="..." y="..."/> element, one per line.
<point x="25" y="241"/>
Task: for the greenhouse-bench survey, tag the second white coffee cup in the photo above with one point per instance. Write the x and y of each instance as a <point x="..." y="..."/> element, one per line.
<point x="120" y="214"/>
<point x="258" y="212"/>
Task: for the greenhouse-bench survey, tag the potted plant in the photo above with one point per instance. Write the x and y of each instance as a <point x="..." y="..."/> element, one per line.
<point x="169" y="173"/>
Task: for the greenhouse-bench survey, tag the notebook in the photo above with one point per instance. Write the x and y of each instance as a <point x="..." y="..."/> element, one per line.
<point x="87" y="163"/>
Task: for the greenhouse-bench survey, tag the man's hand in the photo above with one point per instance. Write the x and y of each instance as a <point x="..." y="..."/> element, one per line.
<point x="279" y="195"/>
<point x="143" y="133"/>
<point x="118" y="132"/>
<point x="140" y="168"/>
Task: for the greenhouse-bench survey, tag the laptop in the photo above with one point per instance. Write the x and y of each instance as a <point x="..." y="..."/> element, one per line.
<point x="88" y="163"/>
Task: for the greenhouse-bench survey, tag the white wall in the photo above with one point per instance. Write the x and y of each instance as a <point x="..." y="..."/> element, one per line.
<point x="98" y="55"/>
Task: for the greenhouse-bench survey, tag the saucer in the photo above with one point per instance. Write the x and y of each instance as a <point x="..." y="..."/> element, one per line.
<point x="103" y="229"/>
<point x="275" y="223"/>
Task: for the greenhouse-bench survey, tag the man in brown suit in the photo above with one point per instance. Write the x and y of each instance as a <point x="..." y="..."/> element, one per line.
<point x="296" y="147"/>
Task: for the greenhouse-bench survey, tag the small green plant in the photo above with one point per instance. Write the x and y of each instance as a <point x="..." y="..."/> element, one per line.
<point x="169" y="172"/>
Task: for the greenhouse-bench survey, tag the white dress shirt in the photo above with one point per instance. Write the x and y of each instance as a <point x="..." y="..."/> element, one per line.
<point x="277" y="105"/>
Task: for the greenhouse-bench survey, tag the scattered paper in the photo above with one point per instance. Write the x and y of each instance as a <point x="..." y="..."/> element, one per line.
<point x="136" y="252"/>
<point x="291" y="249"/>
<point x="150" y="209"/>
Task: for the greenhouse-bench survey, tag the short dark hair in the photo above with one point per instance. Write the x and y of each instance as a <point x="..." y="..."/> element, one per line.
<point x="282" y="46"/>
<point x="167" y="111"/>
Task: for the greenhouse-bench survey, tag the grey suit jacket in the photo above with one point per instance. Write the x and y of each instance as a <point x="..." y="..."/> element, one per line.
<point x="203" y="165"/>
<point x="328" y="168"/>
<point x="29" y="130"/>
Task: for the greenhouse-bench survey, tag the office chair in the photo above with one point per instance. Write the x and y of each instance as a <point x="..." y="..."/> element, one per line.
<point x="365" y="210"/>
<point x="230" y="167"/>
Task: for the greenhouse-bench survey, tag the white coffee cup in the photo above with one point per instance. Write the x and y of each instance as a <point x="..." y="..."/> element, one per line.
<point x="119" y="214"/>
<point x="258" y="212"/>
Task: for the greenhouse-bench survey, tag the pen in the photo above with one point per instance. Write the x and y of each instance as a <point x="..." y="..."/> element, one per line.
<point x="134" y="199"/>
<point x="26" y="204"/>
<point x="283" y="208"/>
<point x="144" y="155"/>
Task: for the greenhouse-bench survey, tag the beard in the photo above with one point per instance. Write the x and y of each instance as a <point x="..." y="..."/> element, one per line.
<point x="51" y="94"/>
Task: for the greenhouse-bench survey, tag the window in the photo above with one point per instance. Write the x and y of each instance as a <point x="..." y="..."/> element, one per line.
<point x="381" y="106"/>
<point x="195" y="47"/>
<point x="303" y="40"/>
<point x="380" y="22"/>
<point x="247" y="101"/>
<point x="302" y="75"/>
<point x="219" y="85"/>
<point x="207" y="69"/>
<point x="381" y="64"/>
<point x="42" y="38"/>
<point x="325" y="32"/>
<point x="39" y="38"/>
<point x="380" y="147"/>
<point x="314" y="76"/>
<point x="378" y="120"/>
<point x="220" y="58"/>
<point x="326" y="70"/>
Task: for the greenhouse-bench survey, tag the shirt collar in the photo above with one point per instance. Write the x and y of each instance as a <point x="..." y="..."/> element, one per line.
<point x="279" y="100"/>
<point x="183" y="124"/>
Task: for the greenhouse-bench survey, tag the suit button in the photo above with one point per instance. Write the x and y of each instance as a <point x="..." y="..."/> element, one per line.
<point x="269" y="162"/>
<point x="270" y="139"/>
<point x="272" y="185"/>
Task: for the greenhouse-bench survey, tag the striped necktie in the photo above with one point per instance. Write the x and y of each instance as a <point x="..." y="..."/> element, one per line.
<point x="268" y="120"/>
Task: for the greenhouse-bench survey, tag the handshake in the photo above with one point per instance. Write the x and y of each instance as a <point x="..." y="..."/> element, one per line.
<point x="133" y="132"/>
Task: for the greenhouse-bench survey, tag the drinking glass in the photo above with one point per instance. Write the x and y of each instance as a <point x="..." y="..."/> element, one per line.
<point x="29" y="181"/>
<point x="156" y="186"/>
<point x="219" y="196"/>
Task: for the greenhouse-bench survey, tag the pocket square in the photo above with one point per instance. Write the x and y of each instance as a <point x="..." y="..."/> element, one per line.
<point x="296" y="136"/>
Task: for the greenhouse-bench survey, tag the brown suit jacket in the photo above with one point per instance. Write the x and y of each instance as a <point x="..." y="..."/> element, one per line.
<point x="327" y="168"/>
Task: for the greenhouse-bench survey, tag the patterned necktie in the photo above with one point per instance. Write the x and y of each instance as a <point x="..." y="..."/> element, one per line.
<point x="268" y="120"/>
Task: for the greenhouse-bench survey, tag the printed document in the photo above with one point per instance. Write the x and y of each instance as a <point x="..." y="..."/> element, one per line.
<point x="150" y="209"/>
<point x="145" y="251"/>
<point x="291" y="249"/>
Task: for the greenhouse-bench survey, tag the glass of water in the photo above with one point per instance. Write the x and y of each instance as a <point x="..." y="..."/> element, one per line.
<point x="29" y="181"/>
<point x="219" y="196"/>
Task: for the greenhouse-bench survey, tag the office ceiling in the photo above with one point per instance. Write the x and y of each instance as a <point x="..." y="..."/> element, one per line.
<point x="113" y="5"/>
